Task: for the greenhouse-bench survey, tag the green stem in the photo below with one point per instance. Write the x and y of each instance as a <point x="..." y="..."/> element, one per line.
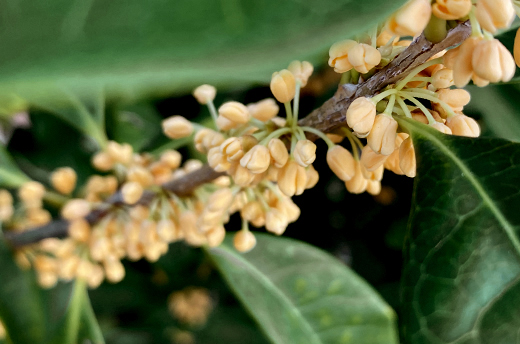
<point x="174" y="144"/>
<point x="345" y="78"/>
<point x="476" y="31"/>
<point x="390" y="106"/>
<point x="353" y="143"/>
<point x="288" y="112"/>
<point x="426" y="112"/>
<point x="404" y="107"/>
<point x="213" y="111"/>
<point x="275" y="134"/>
<point x="445" y="106"/>
<point x="354" y="76"/>
<point x="296" y="104"/>
<point x="55" y="199"/>
<point x="67" y="332"/>
<point x="383" y="95"/>
<point x="416" y="71"/>
<point x="319" y="133"/>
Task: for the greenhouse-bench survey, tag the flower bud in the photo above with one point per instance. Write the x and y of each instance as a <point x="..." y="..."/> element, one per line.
<point x="75" y="209"/>
<point x="220" y="200"/>
<point x="205" y="93"/>
<point x="495" y="14"/>
<point x="79" y="230"/>
<point x="217" y="161"/>
<point x="411" y="19"/>
<point x="460" y="61"/>
<point x="166" y="230"/>
<point x="31" y="194"/>
<point x="278" y="152"/>
<point x="371" y="160"/>
<point x="338" y="55"/>
<point x="252" y="211"/>
<point x="335" y="138"/>
<point x="131" y="192"/>
<point x="361" y="115"/>
<point x="275" y="221"/>
<point x="456" y="99"/>
<point x="384" y="37"/>
<point x="292" y="179"/>
<point x="442" y="78"/>
<point x="382" y="136"/>
<point x="120" y="152"/>
<point x="6" y="205"/>
<point x="225" y="124"/>
<point x="114" y="271"/>
<point x="244" y="241"/>
<point x="172" y="158"/>
<point x="492" y="61"/>
<point x="463" y="125"/>
<point x="283" y="86"/>
<point x="242" y="176"/>
<point x="364" y="57"/>
<point x="374" y="187"/>
<point x="291" y="210"/>
<point x="357" y="184"/>
<point x="301" y="71"/>
<point x="232" y="149"/>
<point x="407" y="158"/>
<point x="451" y="9"/>
<point x="64" y="180"/>
<point x="312" y="177"/>
<point x="177" y="127"/>
<point x="235" y="112"/>
<point x="392" y="163"/>
<point x="216" y="236"/>
<point x="304" y="152"/>
<point x="341" y="162"/>
<point x="441" y="127"/>
<point x="264" y="110"/>
<point x="140" y="175"/>
<point x="102" y="161"/>
<point x="257" y="159"/>
<point x="205" y="139"/>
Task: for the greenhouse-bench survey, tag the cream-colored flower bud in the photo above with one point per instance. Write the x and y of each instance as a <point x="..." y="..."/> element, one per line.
<point x="384" y="37"/>
<point x="217" y="161"/>
<point x="304" y="152"/>
<point x="215" y="236"/>
<point x="166" y="230"/>
<point x="31" y="193"/>
<point x="264" y="110"/>
<point x="382" y="136"/>
<point x="456" y="99"/>
<point x="279" y="121"/>
<point x="244" y="241"/>
<point x="177" y="127"/>
<point x="338" y="55"/>
<point x="205" y="93"/>
<point x="232" y="149"/>
<point x="411" y="19"/>
<point x="283" y="86"/>
<point x="257" y="160"/>
<point x="407" y="158"/>
<point x="172" y="158"/>
<point x="441" y="127"/>
<point x="114" y="270"/>
<point x="312" y="177"/>
<point x="361" y="115"/>
<point x="419" y="116"/>
<point x="6" y="205"/>
<point x="131" y="192"/>
<point x="79" y="230"/>
<point x="64" y="180"/>
<point x="301" y="71"/>
<point x="341" y="162"/>
<point x="242" y="176"/>
<point x="463" y="125"/>
<point x="443" y="78"/>
<point x="275" y="221"/>
<point x="120" y="152"/>
<point x="75" y="209"/>
<point x="251" y="211"/>
<point x="460" y="61"/>
<point x="358" y="183"/>
<point x="495" y="14"/>
<point x="371" y="160"/>
<point x="140" y="175"/>
<point x="451" y="9"/>
<point x="492" y="61"/>
<point x="292" y="179"/>
<point x="335" y="138"/>
<point x="38" y="217"/>
<point x="225" y="124"/>
<point x="102" y="161"/>
<point x="374" y="187"/>
<point x="220" y="200"/>
<point x="364" y="57"/>
<point x="278" y="152"/>
<point x="235" y="112"/>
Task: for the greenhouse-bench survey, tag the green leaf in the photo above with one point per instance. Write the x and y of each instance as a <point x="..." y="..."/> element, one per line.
<point x="300" y="294"/>
<point x="461" y="282"/>
<point x="133" y="48"/>
<point x="10" y="175"/>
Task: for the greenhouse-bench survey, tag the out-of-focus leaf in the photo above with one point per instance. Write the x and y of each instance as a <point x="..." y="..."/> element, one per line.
<point x="133" y="48"/>
<point x="300" y="294"/>
<point x="461" y="282"/>
<point x="10" y="175"/>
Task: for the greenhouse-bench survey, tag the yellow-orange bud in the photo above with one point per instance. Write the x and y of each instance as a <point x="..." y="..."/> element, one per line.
<point x="102" y="161"/>
<point x="31" y="193"/>
<point x="275" y="221"/>
<point x="79" y="230"/>
<point x="131" y="192"/>
<point x="357" y="184"/>
<point x="75" y="209"/>
<point x="235" y="112"/>
<point x="382" y="136"/>
<point x="215" y="236"/>
<point x="64" y="180"/>
<point x="442" y="78"/>
<point x="232" y="149"/>
<point x="283" y="86"/>
<point x="338" y="55"/>
<point x="120" y="152"/>
<point x="172" y="158"/>
<point x="495" y="14"/>
<point x="264" y="110"/>
<point x="304" y="152"/>
<point x="492" y="61"/>
<point x="371" y="160"/>
<point x="177" y="127"/>
<point x="6" y="205"/>
<point x="301" y="71"/>
<point x="411" y="19"/>
<point x="217" y="161"/>
<point x="244" y="241"/>
<point x="278" y="152"/>
<point x="407" y="158"/>
<point x="364" y="57"/>
<point x="205" y="93"/>
<point x="292" y="179"/>
<point x="451" y="9"/>
<point x="341" y="162"/>
<point x="257" y="159"/>
<point x="312" y="177"/>
<point x="361" y="115"/>
<point x="463" y="125"/>
<point x="441" y="127"/>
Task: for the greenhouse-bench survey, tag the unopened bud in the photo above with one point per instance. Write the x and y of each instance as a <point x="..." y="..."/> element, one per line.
<point x="361" y="115"/>
<point x="364" y="57"/>
<point x="264" y="110"/>
<point x="407" y="158"/>
<point x="275" y="221"/>
<point x="341" y="162"/>
<point x="492" y="61"/>
<point x="384" y="38"/>
<point x="443" y="78"/>
<point x="358" y="183"/>
<point x="283" y="86"/>
<point x="131" y="192"/>
<point x="292" y="179"/>
<point x="374" y="187"/>
<point x="79" y="230"/>
<point x="205" y="93"/>
<point x="411" y="19"/>
<point x="220" y="200"/>
<point x="304" y="152"/>
<point x="301" y="71"/>
<point x="64" y="180"/>
<point x="217" y="161"/>
<point x="312" y="177"/>
<point x="244" y="241"/>
<point x="338" y="55"/>
<point x="31" y="194"/>
<point x="120" y="152"/>
<point x="252" y="211"/>
<point x="172" y="158"/>
<point x="257" y="160"/>
<point x="371" y="160"/>
<point x="177" y="127"/>
<point x="75" y="209"/>
<point x="382" y="136"/>
<point x="114" y="271"/>
<point x="278" y="152"/>
<point x="451" y="9"/>
<point x="140" y="175"/>
<point x="235" y="112"/>
<point x="225" y="124"/>
<point x="441" y="127"/>
<point x="495" y="14"/>
<point x="335" y="138"/>
<point x="242" y="176"/>
<point x="166" y="230"/>
<point x="232" y="149"/>
<point x="463" y="125"/>
<point x="6" y="205"/>
<point x="102" y="161"/>
<point x="215" y="236"/>
<point x="455" y="98"/>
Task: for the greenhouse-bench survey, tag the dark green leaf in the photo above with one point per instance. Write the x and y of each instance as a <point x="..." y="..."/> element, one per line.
<point x="10" y="175"/>
<point x="300" y="294"/>
<point x="461" y="280"/>
<point x="133" y="48"/>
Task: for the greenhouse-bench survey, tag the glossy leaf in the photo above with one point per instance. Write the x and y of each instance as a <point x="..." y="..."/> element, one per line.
<point x="300" y="294"/>
<point x="461" y="279"/>
<point x="132" y="48"/>
<point x="10" y="174"/>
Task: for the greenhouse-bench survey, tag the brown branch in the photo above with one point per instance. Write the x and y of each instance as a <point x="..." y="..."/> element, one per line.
<point x="328" y="117"/>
